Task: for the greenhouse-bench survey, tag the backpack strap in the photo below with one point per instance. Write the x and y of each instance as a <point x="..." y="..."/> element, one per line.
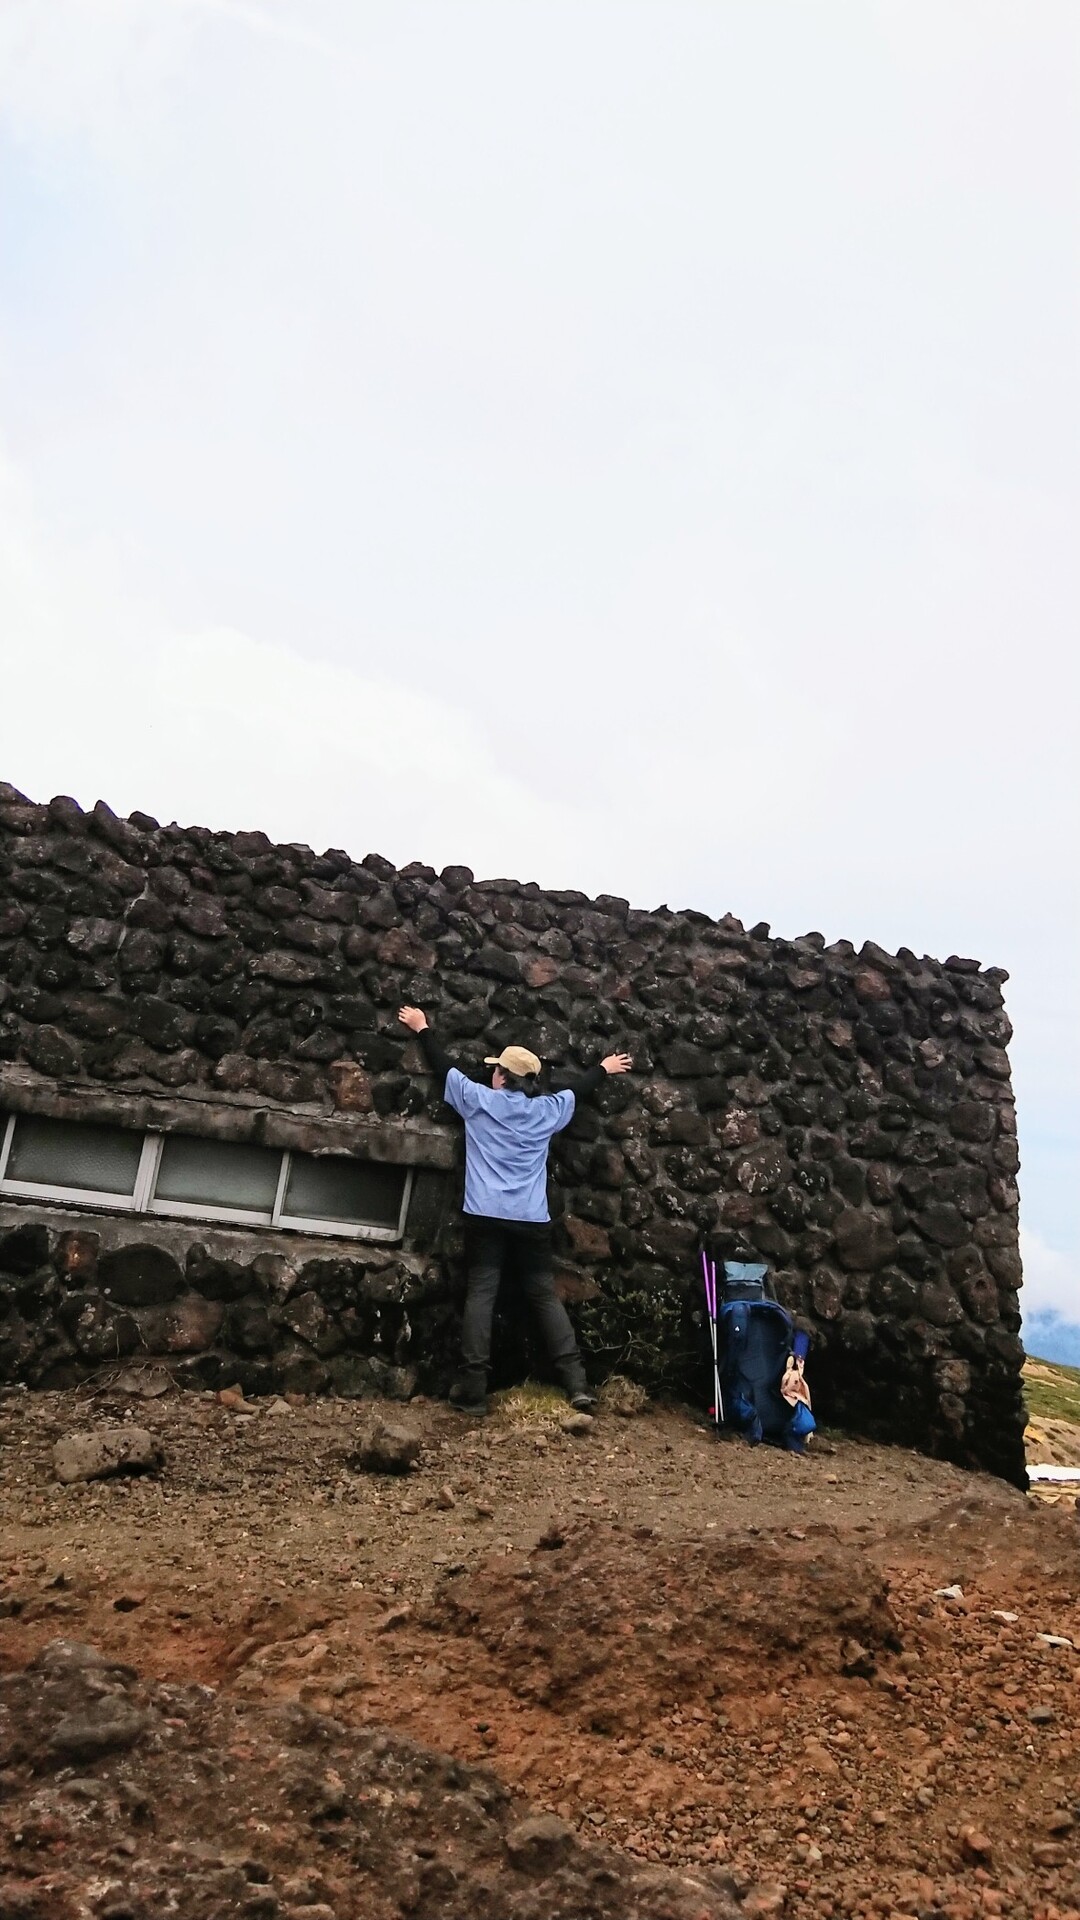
<point x="735" y="1316"/>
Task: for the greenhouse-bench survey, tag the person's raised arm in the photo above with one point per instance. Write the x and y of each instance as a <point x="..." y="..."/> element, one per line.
<point x="435" y="1054"/>
<point x="587" y="1083"/>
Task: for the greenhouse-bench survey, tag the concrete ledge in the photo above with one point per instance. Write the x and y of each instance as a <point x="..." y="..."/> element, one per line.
<point x="400" y="1143"/>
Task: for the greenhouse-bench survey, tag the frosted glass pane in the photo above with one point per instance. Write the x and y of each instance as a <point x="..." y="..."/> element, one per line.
<point x="356" y="1191"/>
<point x="218" y="1173"/>
<point x="64" y="1153"/>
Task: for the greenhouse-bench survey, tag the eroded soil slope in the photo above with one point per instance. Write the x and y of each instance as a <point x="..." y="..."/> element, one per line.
<point x="709" y="1659"/>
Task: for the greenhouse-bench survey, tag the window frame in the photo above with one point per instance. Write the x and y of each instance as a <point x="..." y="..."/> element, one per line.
<point x="298" y="1223"/>
<point x="68" y="1196"/>
<point x="142" y="1199"/>
<point x="194" y="1209"/>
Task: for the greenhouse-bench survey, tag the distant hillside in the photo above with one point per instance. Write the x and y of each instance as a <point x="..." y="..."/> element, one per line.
<point x="1052" y="1392"/>
<point x="1053" y="1431"/>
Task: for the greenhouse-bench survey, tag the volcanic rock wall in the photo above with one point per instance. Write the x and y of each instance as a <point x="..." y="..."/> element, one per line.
<point x="846" y="1115"/>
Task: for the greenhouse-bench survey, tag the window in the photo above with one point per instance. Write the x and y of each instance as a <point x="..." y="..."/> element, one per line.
<point x="61" y="1154"/>
<point x="205" y="1173"/>
<point x="341" y="1190"/>
<point x="225" y="1180"/>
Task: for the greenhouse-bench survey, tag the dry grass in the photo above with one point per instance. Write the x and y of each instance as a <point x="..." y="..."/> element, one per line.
<point x="529" y="1405"/>
<point x="1052" y="1392"/>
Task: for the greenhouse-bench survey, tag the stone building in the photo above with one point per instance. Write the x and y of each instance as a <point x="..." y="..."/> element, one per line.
<point x="219" y="1148"/>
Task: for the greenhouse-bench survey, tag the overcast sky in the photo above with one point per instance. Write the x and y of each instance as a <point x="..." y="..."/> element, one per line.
<point x="629" y="444"/>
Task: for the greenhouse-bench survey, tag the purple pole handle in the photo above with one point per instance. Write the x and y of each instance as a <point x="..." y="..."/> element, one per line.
<point x="710" y="1284"/>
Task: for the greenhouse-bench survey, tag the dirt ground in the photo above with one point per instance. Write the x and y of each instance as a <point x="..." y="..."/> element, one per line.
<point x="722" y="1661"/>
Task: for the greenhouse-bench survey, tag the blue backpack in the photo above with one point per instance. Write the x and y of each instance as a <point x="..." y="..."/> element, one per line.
<point x="754" y="1338"/>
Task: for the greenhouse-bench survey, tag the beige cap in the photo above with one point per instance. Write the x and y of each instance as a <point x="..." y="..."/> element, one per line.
<point x="516" y="1060"/>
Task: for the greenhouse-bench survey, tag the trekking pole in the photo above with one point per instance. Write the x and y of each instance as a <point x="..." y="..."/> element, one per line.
<point x="710" y="1304"/>
<point x="716" y="1361"/>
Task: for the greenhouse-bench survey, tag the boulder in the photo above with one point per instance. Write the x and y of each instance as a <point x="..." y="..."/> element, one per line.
<point x="388" y="1446"/>
<point x="106" y="1726"/>
<point x="139" y="1276"/>
<point x="105" y="1452"/>
<point x="578" y="1425"/>
<point x="350" y="1087"/>
<point x="76" y="1257"/>
<point x="539" y="1844"/>
<point x="187" y="1325"/>
<point x="864" y="1242"/>
<point x="24" y="1249"/>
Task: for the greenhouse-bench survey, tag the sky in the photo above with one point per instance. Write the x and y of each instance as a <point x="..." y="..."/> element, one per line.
<point x="627" y="444"/>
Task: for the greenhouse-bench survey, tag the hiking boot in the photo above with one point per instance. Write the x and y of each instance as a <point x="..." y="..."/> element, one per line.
<point x="466" y="1396"/>
<point x="583" y="1402"/>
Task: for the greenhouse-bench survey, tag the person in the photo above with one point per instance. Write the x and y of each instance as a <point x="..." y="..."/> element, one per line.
<point x="508" y="1130"/>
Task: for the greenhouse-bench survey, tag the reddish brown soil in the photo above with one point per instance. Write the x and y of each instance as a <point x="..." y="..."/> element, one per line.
<point x="705" y="1656"/>
<point x="131" y="1801"/>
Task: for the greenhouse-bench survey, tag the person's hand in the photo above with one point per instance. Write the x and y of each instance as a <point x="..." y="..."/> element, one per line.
<point x="617" y="1063"/>
<point x="414" y="1018"/>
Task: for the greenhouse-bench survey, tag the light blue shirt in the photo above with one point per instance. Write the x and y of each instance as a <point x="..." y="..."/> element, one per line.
<point x="507" y="1136"/>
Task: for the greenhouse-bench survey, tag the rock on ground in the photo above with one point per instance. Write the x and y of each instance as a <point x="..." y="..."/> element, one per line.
<point x="388" y="1446"/>
<point x="106" y="1451"/>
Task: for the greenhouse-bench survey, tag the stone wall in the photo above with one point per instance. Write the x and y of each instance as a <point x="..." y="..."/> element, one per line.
<point x="846" y="1115"/>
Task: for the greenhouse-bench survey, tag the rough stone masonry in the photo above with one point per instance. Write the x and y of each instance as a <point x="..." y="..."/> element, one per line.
<point x="846" y="1115"/>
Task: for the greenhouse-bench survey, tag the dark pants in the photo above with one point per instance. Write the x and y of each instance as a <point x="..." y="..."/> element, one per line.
<point x="492" y="1248"/>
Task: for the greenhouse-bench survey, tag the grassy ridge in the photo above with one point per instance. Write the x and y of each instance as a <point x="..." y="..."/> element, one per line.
<point x="1052" y="1392"/>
